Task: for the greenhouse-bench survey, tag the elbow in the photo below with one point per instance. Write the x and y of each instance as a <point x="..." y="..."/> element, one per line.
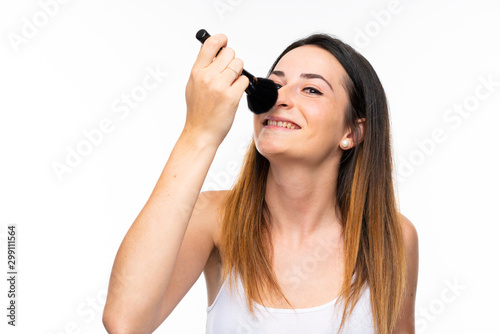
<point x="111" y="324"/>
<point x="115" y="324"/>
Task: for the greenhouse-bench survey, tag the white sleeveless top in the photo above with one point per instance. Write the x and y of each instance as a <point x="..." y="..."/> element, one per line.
<point x="229" y="314"/>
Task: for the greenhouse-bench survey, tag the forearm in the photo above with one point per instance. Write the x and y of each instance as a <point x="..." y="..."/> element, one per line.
<point x="147" y="255"/>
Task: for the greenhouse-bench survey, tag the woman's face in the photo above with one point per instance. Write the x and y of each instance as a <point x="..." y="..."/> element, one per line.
<point x="312" y="101"/>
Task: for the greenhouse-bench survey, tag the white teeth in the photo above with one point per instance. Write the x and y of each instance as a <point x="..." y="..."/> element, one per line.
<point x="281" y="123"/>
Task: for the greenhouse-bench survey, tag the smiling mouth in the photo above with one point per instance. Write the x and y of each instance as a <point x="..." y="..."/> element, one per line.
<point x="281" y="124"/>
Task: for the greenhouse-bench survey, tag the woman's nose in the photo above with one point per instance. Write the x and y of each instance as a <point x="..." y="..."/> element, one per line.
<point x="284" y="97"/>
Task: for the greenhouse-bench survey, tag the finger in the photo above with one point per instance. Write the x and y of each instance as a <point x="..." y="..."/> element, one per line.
<point x="230" y="74"/>
<point x="237" y="65"/>
<point x="233" y="70"/>
<point x="223" y="60"/>
<point x="240" y="85"/>
<point x="209" y="49"/>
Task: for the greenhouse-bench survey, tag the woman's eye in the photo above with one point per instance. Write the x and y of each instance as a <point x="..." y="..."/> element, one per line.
<point x="311" y="90"/>
<point x="278" y="86"/>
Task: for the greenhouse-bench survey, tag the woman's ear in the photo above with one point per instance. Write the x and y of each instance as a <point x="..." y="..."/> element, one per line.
<point x="350" y="139"/>
<point x="360" y="125"/>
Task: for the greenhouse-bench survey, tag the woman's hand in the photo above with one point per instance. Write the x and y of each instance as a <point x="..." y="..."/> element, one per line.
<point x="213" y="91"/>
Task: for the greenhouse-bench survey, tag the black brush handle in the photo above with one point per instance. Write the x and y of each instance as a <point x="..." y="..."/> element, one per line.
<point x="202" y="35"/>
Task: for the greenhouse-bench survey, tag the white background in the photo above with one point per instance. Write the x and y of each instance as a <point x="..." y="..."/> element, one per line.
<point x="65" y="76"/>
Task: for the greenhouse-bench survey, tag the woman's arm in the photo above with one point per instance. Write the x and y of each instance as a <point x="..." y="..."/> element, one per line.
<point x="148" y="254"/>
<point x="406" y="323"/>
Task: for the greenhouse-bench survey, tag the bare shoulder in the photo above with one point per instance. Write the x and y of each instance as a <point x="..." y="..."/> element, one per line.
<point x="410" y="237"/>
<point x="411" y="249"/>
<point x="410" y="234"/>
<point x="208" y="207"/>
<point x="212" y="196"/>
<point x="210" y="204"/>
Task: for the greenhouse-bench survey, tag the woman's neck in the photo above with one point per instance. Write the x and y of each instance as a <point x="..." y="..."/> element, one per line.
<point x="302" y="200"/>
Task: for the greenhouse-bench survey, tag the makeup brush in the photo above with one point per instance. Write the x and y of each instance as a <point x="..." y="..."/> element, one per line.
<point x="261" y="93"/>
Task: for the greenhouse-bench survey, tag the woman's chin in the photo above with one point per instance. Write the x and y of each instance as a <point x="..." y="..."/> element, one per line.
<point x="269" y="149"/>
<point x="272" y="149"/>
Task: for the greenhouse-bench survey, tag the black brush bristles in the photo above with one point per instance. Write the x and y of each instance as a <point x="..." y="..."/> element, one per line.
<point x="262" y="93"/>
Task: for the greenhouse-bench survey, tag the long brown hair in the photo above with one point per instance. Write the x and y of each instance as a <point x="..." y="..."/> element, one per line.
<point x="374" y="249"/>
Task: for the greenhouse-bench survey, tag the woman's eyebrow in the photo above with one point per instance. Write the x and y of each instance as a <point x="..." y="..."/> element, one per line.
<point x="278" y="73"/>
<point x="305" y="76"/>
<point x="315" y="76"/>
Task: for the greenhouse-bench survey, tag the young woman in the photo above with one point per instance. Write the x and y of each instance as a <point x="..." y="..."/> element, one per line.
<point x="309" y="239"/>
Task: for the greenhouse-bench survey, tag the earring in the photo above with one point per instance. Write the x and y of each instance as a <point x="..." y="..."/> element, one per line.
<point x="345" y="143"/>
